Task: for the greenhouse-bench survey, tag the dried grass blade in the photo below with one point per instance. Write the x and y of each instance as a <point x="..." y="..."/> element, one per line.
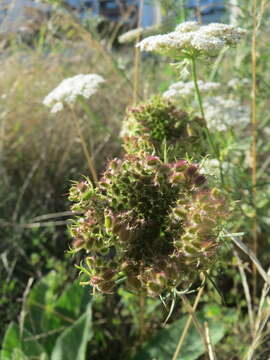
<point x="253" y="258"/>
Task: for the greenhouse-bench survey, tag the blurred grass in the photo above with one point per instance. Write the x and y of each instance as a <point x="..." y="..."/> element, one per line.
<point x="40" y="155"/>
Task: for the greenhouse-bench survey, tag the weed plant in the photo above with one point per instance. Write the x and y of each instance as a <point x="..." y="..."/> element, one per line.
<point x="41" y="154"/>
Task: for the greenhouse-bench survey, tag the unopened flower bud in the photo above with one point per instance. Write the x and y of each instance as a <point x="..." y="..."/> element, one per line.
<point x="199" y="180"/>
<point x="95" y="280"/>
<point x="191" y="170"/>
<point x="180" y="164"/>
<point x="78" y="243"/>
<point x="153" y="160"/>
<point x="177" y="178"/>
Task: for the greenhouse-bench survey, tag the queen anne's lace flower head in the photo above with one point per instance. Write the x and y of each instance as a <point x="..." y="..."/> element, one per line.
<point x="209" y="45"/>
<point x="187" y="26"/>
<point x="222" y="114"/>
<point x="192" y="40"/>
<point x="212" y="167"/>
<point x="230" y="34"/>
<point x="186" y="89"/>
<point x="70" y="89"/>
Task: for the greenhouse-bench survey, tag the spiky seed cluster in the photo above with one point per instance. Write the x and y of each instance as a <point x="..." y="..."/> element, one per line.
<point x="151" y="223"/>
<point x="148" y="125"/>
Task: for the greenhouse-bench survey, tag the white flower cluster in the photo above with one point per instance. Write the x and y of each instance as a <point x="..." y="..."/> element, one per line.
<point x="191" y="39"/>
<point x="212" y="166"/>
<point x="237" y="83"/>
<point x="222" y="114"/>
<point x="70" y="89"/>
<point x="186" y="89"/>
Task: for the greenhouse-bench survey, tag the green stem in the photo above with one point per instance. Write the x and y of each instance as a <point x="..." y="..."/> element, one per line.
<point x="84" y="146"/>
<point x="198" y="93"/>
<point x="213" y="147"/>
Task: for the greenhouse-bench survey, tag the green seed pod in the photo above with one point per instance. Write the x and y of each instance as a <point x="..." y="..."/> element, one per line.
<point x="108" y="274"/>
<point x="154" y="289"/>
<point x="161" y="279"/>
<point x="133" y="283"/>
<point x="78" y="243"/>
<point x="180" y="212"/>
<point x="197" y="218"/>
<point x="178" y="244"/>
<point x="108" y="223"/>
<point x="106" y="286"/>
<point x="190" y="250"/>
<point x="127" y="268"/>
<point x="177" y="178"/>
<point x="90" y="262"/>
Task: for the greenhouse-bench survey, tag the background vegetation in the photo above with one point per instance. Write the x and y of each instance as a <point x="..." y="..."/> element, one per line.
<point x="44" y="313"/>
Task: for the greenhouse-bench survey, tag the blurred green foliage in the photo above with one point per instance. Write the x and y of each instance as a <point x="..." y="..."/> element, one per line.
<point x="40" y="155"/>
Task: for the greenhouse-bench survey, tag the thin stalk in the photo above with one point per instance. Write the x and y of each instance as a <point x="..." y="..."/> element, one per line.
<point x="198" y="11"/>
<point x="195" y="79"/>
<point x="254" y="139"/>
<point x="252" y="257"/>
<point x="199" y="98"/>
<point x="211" y="352"/>
<point x="141" y="314"/>
<point x="137" y="57"/>
<point x="187" y="325"/>
<point x="195" y="320"/>
<point x="84" y="146"/>
<point x="246" y="291"/>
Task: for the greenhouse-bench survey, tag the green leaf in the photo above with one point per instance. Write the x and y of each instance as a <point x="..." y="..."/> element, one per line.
<point x="20" y="347"/>
<point x="48" y="313"/>
<point x="72" y="343"/>
<point x="40" y="302"/>
<point x="163" y="345"/>
<point x="73" y="301"/>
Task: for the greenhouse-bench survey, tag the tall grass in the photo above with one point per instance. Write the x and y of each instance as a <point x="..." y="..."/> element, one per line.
<point x="40" y="155"/>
